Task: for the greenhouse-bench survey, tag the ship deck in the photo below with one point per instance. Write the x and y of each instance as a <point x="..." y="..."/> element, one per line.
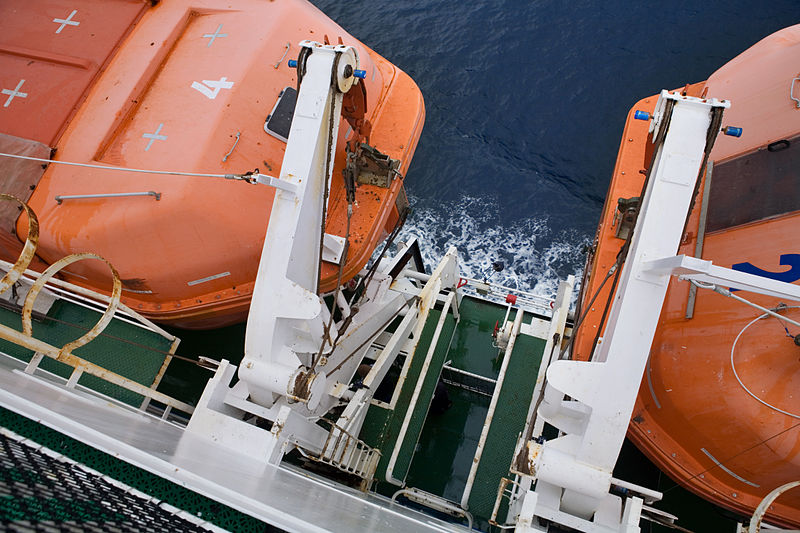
<point x="186" y="470"/>
<point x="122" y="443"/>
<point x="438" y="450"/>
<point x="134" y="352"/>
<point x="144" y="445"/>
<point x="120" y="433"/>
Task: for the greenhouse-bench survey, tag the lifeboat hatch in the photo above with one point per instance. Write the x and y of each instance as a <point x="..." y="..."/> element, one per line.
<point x="766" y="176"/>
<point x="279" y="121"/>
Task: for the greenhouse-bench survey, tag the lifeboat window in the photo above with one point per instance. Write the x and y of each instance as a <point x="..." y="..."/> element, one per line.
<point x="758" y="185"/>
<point x="279" y="121"/>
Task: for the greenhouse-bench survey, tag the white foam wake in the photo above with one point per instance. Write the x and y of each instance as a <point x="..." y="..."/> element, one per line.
<point x="536" y="257"/>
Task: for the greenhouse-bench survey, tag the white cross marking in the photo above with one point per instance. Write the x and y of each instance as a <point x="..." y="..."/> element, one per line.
<point x="154" y="137"/>
<point x="14" y="92"/>
<point x="207" y="85"/>
<point x="66" y="21"/>
<point x="214" y="35"/>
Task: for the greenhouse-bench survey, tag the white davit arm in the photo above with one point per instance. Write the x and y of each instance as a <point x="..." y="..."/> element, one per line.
<point x="286" y="320"/>
<point x="592" y="402"/>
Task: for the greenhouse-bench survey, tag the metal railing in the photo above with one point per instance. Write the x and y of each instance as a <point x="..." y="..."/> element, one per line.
<point x="65" y="354"/>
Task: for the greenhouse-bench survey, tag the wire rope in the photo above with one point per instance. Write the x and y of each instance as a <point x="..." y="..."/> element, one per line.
<point x="242" y="177"/>
<point x="736" y="374"/>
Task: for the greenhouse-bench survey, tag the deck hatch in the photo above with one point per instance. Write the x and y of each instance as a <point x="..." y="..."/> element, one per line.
<point x="755" y="186"/>
<point x="279" y="121"/>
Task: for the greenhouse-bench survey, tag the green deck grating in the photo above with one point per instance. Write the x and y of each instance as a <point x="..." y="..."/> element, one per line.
<point x="507" y="423"/>
<point x="442" y="453"/>
<point x="448" y="442"/>
<point x="382" y="426"/>
<point x="130" y="351"/>
<point x="447" y="446"/>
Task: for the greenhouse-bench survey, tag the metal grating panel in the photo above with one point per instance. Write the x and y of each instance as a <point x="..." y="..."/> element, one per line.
<point x="112" y="467"/>
<point x="41" y="490"/>
<point x="507" y="423"/>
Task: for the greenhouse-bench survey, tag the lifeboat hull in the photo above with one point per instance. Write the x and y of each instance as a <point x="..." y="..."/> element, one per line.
<point x="719" y="409"/>
<point x="184" y="87"/>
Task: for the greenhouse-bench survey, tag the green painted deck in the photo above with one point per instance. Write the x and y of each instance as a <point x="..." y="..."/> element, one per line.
<point x="439" y="460"/>
<point x="449" y="440"/>
<point x="130" y="351"/>
<point x="472" y="348"/>
<point x="447" y="446"/>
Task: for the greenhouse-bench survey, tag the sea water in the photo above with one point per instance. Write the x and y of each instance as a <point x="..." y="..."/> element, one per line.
<point x="526" y="101"/>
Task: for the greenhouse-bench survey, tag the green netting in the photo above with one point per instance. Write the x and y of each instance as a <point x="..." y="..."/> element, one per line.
<point x="125" y="349"/>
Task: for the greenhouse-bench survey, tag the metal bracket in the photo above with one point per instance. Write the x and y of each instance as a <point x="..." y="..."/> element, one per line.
<point x="625" y="217"/>
<point x="791" y="92"/>
<point x="281" y="184"/>
<point x="703" y="271"/>
<point x="333" y="247"/>
<point x="371" y="167"/>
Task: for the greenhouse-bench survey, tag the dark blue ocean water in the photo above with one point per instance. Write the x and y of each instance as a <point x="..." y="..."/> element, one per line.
<point x="525" y="107"/>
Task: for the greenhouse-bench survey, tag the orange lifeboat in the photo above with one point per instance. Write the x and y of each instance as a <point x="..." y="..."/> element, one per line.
<point x="191" y="88"/>
<point x="719" y="406"/>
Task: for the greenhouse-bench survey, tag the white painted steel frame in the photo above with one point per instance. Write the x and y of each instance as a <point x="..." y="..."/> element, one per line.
<point x="287" y="317"/>
<point x="412" y="404"/>
<point x="554" y="340"/>
<point x="574" y="471"/>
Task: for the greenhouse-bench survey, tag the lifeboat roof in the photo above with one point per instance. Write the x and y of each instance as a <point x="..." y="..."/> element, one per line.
<point x="186" y="87"/>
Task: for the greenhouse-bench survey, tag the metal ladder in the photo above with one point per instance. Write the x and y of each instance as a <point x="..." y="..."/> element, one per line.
<point x="348" y="453"/>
